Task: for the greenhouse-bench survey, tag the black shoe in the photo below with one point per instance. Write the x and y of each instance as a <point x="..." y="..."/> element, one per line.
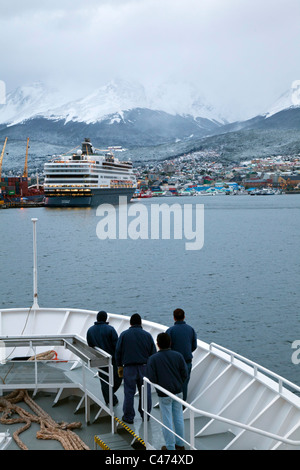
<point x="115" y="402"/>
<point x="179" y="447"/>
<point x="128" y="421"/>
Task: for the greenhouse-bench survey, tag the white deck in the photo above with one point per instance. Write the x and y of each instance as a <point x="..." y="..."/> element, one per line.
<point x="236" y="404"/>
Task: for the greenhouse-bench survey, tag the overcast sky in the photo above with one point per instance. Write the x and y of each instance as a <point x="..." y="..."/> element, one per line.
<point x="242" y="54"/>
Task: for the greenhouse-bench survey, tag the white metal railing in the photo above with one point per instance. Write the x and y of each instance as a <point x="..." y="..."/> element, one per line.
<point x="191" y="444"/>
<point x="87" y="357"/>
<point x="110" y="383"/>
<point x="256" y="368"/>
<point x="195" y="411"/>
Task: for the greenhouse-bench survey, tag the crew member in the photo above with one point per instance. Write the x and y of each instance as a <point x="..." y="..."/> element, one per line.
<point x="183" y="340"/>
<point x="134" y="347"/>
<point x="168" y="369"/>
<point x="105" y="337"/>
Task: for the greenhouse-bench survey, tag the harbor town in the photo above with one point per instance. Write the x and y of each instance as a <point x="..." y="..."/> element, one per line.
<point x="202" y="173"/>
<point x="199" y="173"/>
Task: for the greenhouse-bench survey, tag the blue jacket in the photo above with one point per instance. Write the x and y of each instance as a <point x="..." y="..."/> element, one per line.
<point x="168" y="369"/>
<point x="134" y="346"/>
<point x="104" y="336"/>
<point x="183" y="339"/>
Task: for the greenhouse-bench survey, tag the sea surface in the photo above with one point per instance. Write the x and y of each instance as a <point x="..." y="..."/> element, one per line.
<point x="240" y="290"/>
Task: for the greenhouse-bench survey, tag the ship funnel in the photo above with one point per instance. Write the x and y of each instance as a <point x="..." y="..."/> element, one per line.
<point x="87" y="147"/>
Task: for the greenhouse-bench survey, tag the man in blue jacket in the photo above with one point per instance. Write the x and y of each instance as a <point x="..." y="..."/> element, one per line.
<point x="168" y="369"/>
<point x="133" y="349"/>
<point x="105" y="337"/>
<point x="183" y="340"/>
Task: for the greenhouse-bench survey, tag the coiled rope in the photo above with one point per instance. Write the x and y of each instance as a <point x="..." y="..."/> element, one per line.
<point x="44" y="356"/>
<point x="49" y="429"/>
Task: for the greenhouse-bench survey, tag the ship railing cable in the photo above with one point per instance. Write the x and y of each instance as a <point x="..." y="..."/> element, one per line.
<point x="69" y="151"/>
<point x="231" y="356"/>
<point x="196" y="411"/>
<point x="8" y="372"/>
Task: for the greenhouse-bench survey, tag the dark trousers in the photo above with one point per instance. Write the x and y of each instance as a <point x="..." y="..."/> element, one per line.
<point x="105" y="386"/>
<point x="186" y="382"/>
<point x="133" y="377"/>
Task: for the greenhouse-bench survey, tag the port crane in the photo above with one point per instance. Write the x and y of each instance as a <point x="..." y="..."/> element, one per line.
<point x="25" y="171"/>
<point x="2" y="155"/>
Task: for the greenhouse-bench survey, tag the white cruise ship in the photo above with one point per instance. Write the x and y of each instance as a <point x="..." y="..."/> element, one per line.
<point x="88" y="177"/>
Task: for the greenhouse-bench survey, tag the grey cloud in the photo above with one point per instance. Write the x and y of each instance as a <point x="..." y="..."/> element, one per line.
<point x="241" y="54"/>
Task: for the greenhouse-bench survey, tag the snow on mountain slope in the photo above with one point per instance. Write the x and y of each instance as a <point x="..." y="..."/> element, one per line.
<point x="112" y="99"/>
<point x="182" y="98"/>
<point x="109" y="102"/>
<point x="120" y="95"/>
<point x="28" y="101"/>
<point x="290" y="99"/>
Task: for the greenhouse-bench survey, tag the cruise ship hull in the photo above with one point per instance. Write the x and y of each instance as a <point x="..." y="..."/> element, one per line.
<point x="97" y="197"/>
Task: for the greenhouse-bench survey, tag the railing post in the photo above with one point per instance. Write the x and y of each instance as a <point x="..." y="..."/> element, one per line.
<point x="35" y="367"/>
<point x="35" y="293"/>
<point x="145" y="408"/>
<point x="110" y="393"/>
<point x="86" y="398"/>
<point x="192" y="429"/>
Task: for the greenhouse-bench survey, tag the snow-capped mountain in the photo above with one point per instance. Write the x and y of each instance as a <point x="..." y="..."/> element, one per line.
<point x="119" y="113"/>
<point x="111" y="100"/>
<point x="151" y="124"/>
<point x="28" y="101"/>
<point x="183" y="98"/>
<point x="290" y="99"/>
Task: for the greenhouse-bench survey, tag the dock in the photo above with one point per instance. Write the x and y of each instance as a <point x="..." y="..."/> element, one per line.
<point x="18" y="205"/>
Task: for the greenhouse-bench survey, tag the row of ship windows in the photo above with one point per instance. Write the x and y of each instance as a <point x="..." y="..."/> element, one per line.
<point x="85" y="180"/>
<point x="83" y="183"/>
<point x="70" y="179"/>
<point x="81" y="163"/>
<point x="80" y="170"/>
<point x="91" y="175"/>
<point x="65" y="188"/>
<point x="47" y="186"/>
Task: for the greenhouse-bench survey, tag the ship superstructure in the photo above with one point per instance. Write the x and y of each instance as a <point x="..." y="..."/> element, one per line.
<point x="88" y="177"/>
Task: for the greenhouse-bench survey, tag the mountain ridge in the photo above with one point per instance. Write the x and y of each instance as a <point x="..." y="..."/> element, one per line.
<point x="150" y="134"/>
<point x="37" y="100"/>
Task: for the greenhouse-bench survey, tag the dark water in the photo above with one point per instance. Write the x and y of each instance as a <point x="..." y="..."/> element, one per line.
<point x="240" y="290"/>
